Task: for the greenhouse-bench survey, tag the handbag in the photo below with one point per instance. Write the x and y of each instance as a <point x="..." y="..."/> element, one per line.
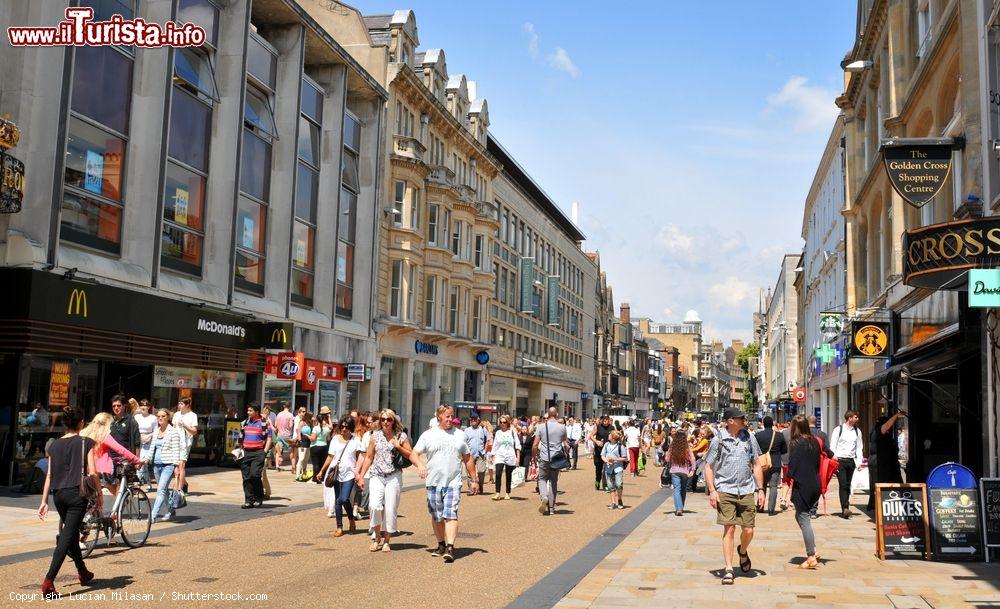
<point x="331" y="474"/>
<point x="90" y="489"/>
<point x="765" y="457"/>
<point x="399" y="462"/>
<point x="558" y="459"/>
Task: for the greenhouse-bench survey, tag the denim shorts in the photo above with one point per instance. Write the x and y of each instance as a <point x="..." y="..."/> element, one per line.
<point x="614" y="480"/>
<point x="442" y="502"/>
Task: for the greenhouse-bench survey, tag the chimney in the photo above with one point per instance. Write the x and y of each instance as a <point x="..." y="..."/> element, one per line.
<point x="625" y="314"/>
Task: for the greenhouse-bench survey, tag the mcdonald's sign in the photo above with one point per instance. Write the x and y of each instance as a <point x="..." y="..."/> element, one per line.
<point x="279" y="336"/>
<point x="77" y="304"/>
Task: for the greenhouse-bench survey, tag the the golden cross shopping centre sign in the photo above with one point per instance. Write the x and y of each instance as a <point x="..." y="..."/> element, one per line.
<point x="917" y="171"/>
<point x="938" y="256"/>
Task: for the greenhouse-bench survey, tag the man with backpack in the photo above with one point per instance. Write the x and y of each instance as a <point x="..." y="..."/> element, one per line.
<point x="735" y="484"/>
<point x="847" y="447"/>
<point x="772" y="446"/>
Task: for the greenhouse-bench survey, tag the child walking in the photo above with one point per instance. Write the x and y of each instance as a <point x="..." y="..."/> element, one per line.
<point x="615" y="456"/>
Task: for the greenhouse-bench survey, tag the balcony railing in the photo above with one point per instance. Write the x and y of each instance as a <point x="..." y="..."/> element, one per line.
<point x="442" y="175"/>
<point x="488" y="209"/>
<point x="408" y="147"/>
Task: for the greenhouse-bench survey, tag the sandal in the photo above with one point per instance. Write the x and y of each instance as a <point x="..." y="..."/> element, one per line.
<point x="809" y="563"/>
<point x="745" y="564"/>
<point x="385" y="546"/>
<point x="728" y="578"/>
<point x="376" y="546"/>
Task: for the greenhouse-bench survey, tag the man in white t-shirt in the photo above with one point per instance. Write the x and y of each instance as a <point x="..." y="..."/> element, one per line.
<point x="574" y="433"/>
<point x="632" y="443"/>
<point x="186" y="420"/>
<point x="445" y="451"/>
<point x="848" y="448"/>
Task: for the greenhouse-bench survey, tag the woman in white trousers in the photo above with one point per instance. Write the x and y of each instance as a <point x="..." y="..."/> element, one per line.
<point x="386" y="481"/>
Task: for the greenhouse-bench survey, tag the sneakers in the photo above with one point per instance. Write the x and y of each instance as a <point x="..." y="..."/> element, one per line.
<point x="449" y="553"/>
<point x="597" y="485"/>
<point x="506" y="496"/>
<point x="679" y="513"/>
<point x="550" y="512"/>
<point x="543" y="506"/>
<point x="612" y="506"/>
<point x="496" y="497"/>
<point x="441" y="549"/>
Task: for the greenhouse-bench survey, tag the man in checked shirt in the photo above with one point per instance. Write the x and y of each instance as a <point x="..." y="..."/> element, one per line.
<point x="735" y="484"/>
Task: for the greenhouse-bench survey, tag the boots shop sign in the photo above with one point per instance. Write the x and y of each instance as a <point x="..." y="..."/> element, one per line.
<point x="918" y="168"/>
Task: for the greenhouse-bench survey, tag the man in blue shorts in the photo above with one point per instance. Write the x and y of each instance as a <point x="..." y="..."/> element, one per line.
<point x="446" y="452"/>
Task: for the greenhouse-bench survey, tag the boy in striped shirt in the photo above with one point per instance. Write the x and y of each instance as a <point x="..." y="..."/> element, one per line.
<point x="256" y="433"/>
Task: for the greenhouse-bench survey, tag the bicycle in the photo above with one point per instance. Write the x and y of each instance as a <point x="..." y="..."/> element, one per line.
<point x="130" y="516"/>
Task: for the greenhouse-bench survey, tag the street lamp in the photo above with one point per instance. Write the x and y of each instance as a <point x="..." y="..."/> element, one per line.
<point x="858" y="66"/>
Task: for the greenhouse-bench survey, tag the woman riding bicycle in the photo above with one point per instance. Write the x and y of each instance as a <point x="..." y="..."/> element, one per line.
<point x="99" y="430"/>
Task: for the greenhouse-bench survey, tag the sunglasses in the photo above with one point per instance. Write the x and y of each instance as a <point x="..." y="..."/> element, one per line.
<point x="386" y="419"/>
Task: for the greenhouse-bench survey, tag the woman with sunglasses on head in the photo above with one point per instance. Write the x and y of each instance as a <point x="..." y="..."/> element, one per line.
<point x="506" y="454"/>
<point x="167" y="442"/>
<point x="329" y="492"/>
<point x="344" y="449"/>
<point x="70" y="458"/>
<point x="384" y="480"/>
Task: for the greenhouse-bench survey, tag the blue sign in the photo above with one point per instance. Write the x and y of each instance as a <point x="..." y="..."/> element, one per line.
<point x="423" y="347"/>
<point x="818" y="413"/>
<point x="483" y="358"/>
<point x="951" y="475"/>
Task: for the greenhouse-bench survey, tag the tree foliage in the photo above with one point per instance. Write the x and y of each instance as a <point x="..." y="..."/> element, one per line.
<point x="743" y="359"/>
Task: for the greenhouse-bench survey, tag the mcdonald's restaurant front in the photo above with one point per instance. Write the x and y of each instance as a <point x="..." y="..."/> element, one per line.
<point x="65" y="341"/>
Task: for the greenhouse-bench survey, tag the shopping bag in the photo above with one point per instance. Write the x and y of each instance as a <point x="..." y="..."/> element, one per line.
<point x="642" y="462"/>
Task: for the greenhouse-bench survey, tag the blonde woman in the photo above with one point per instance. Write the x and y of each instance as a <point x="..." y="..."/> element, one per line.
<point x="385" y="483"/>
<point x="99" y="430"/>
<point x="505" y="452"/>
<point x="489" y="455"/>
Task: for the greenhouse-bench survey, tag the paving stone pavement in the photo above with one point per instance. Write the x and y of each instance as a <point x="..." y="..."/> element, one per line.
<point x="671" y="561"/>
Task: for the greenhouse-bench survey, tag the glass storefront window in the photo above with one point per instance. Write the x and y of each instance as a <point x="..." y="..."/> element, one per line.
<point x="928" y="318"/>
<point x="277" y="392"/>
<point x="391" y="384"/>
<point x="422" y="406"/>
<point x="102" y="86"/>
<point x="329" y="396"/>
<point x="449" y="389"/>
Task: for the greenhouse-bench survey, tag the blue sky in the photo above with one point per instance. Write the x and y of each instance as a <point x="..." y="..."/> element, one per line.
<point x="688" y="132"/>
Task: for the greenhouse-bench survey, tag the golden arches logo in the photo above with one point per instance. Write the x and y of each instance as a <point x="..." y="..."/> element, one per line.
<point x="77" y="303"/>
<point x="279" y="336"/>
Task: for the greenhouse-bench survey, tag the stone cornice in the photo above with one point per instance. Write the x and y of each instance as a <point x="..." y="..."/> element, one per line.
<point x="863" y="47"/>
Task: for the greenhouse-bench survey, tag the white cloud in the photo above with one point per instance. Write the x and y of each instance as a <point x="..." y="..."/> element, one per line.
<point x="812" y="108"/>
<point x="673" y="239"/>
<point x="730" y="293"/>
<point x="529" y="28"/>
<point x="560" y="60"/>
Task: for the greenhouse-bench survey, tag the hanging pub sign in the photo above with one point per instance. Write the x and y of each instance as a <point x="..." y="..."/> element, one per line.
<point x="917" y="171"/>
<point x="870" y="339"/>
<point x="938" y="257"/>
<point x="11" y="169"/>
<point x="831" y="323"/>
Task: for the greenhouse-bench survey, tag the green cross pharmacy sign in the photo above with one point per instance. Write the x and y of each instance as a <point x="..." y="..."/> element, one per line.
<point x="825" y="353"/>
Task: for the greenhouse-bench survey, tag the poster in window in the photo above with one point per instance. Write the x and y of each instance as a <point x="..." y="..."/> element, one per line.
<point x="59" y="384"/>
<point x="94" y="172"/>
<point x="300" y="252"/>
<point x="247" y="239"/>
<point x="181" y="206"/>
<point x="341" y="269"/>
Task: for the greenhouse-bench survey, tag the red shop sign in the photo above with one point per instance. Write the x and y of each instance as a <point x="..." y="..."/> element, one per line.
<point x="290" y="365"/>
<point x="320" y="371"/>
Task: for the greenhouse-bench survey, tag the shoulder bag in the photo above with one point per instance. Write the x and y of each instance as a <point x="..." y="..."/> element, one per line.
<point x="89" y="488"/>
<point x="557" y="460"/>
<point x="332" y="474"/>
<point x="765" y="457"/>
<point x="399" y="462"/>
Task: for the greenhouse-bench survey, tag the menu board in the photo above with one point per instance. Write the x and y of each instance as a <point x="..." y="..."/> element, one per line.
<point x="955" y="524"/>
<point x="901" y="521"/>
<point x="990" y="498"/>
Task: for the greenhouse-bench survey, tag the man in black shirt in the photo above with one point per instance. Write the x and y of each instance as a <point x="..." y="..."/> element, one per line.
<point x="599" y="436"/>
<point x="767" y="439"/>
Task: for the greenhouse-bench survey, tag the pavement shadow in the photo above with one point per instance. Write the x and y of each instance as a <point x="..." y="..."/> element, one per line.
<point x="184" y="519"/>
<point x="402" y="534"/>
<point x="562" y="512"/>
<point x="110" y="583"/>
<point x="463" y="552"/>
<point x="752" y="574"/>
<point x="798" y="560"/>
<point x="273" y="498"/>
<point x="408" y="546"/>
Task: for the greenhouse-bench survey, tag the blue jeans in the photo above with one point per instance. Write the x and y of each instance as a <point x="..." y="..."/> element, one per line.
<point x="680" y="485"/>
<point x="163" y="474"/>
<point x="343" y="502"/>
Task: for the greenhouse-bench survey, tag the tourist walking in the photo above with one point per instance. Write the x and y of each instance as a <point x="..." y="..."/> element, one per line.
<point x="256" y="434"/>
<point x="615" y="456"/>
<point x="735" y="486"/>
<point x="146" y="422"/>
<point x="633" y="442"/>
<point x="681" y="461"/>
<point x="477" y="437"/>
<point x="549" y="451"/>
<point x="702" y="438"/>
<point x="168" y="446"/>
<point x="659" y="439"/>
<point x="848" y="447"/>
<point x="303" y="433"/>
<point x="71" y="459"/>
<point x="342" y="463"/>
<point x="803" y="469"/>
<point x="187" y="420"/>
<point x="574" y="435"/>
<point x="506" y="453"/>
<point x="318" y="441"/>
<point x="284" y="425"/>
<point x="600" y="435"/>
<point x="445" y="451"/>
<point x="386" y="481"/>
<point x="772" y="443"/>
<point x="125" y="429"/>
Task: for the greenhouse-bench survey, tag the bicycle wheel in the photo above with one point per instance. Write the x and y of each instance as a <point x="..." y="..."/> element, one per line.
<point x="135" y="517"/>
<point x="90" y="531"/>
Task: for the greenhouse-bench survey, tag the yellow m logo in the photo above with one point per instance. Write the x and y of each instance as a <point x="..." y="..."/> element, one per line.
<point x="77" y="303"/>
<point x="278" y="336"/>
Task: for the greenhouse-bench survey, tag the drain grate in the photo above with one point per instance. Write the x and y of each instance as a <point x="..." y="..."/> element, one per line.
<point x="469" y="535"/>
<point x="159" y="571"/>
<point x="205" y="580"/>
<point x="275" y="554"/>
